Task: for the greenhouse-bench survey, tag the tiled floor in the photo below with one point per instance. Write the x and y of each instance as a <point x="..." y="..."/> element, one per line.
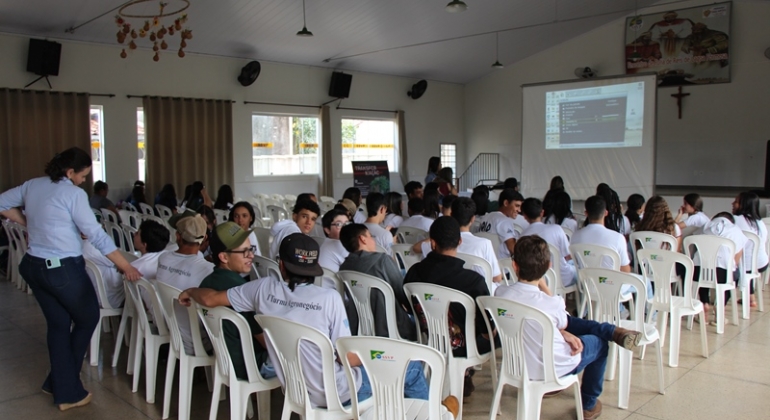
<point x="734" y="382"/>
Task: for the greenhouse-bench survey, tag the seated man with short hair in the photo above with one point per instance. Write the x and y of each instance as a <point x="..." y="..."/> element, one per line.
<point x="594" y="233"/>
<point x="99" y="199"/>
<point x="376" y="210"/>
<point x="532" y="208"/>
<point x="503" y="221"/>
<point x="303" y="218"/>
<point x="150" y="240"/>
<point x="582" y="344"/>
<point x="416" y="219"/>
<point x="332" y="253"/>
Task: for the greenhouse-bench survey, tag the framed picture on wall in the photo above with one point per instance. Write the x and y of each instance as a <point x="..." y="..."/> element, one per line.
<point x="684" y="47"/>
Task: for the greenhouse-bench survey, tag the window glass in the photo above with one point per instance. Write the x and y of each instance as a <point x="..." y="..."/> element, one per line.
<point x="97" y="143"/>
<point x="285" y="145"/>
<point x="364" y="140"/>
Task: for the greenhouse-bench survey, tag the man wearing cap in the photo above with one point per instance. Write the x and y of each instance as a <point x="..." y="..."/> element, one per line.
<point x="294" y="297"/>
<point x="232" y="253"/>
<point x="185" y="267"/>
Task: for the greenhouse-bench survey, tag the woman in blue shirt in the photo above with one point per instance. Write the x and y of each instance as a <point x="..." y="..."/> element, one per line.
<point x="57" y="213"/>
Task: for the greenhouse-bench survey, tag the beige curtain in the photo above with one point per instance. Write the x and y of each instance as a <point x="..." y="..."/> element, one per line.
<point x="326" y="180"/>
<point x="188" y="140"/>
<point x="403" y="168"/>
<point x="34" y="126"/>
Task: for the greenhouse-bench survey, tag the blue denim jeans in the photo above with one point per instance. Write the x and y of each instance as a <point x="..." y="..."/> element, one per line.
<point x="71" y="310"/>
<point x="595" y="337"/>
<point x="415" y="385"/>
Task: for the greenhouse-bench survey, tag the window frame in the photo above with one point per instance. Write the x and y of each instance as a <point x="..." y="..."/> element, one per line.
<point x="289" y="176"/>
<point x="396" y="156"/>
<point x="100" y="138"/>
<point x="454" y="157"/>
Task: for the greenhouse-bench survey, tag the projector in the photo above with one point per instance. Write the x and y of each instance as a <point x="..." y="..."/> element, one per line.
<point x="586" y="72"/>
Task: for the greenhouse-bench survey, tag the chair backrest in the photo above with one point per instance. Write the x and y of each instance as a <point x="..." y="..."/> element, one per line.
<point x="222" y="215"/>
<point x="359" y="286"/>
<point x="129" y="256"/>
<point x="568" y="232"/>
<point x="165" y="212"/>
<point x="330" y="280"/>
<point x="115" y="232"/>
<point x="707" y="247"/>
<point x="659" y="266"/>
<point x="556" y="259"/>
<point x="319" y="239"/>
<point x="98" y="214"/>
<point x="404" y="255"/>
<point x="650" y="239"/>
<point x="608" y="284"/>
<point x="289" y="340"/>
<point x="592" y="256"/>
<point x="478" y="265"/>
<point x="128" y="235"/>
<point x="506" y="268"/>
<point x="386" y="361"/>
<point x="378" y="248"/>
<point x="434" y="301"/>
<point x="125" y="217"/>
<point x="132" y="218"/>
<point x="492" y="237"/>
<point x="130" y="207"/>
<point x="580" y="218"/>
<point x="146" y="209"/>
<point x="277" y="212"/>
<point x="263" y="238"/>
<point x="168" y="296"/>
<point x="509" y="320"/>
<point x="264" y="266"/>
<point x="410" y="235"/>
<point x="109" y="215"/>
<point x="101" y="290"/>
<point x="749" y="262"/>
<point x="157" y="313"/>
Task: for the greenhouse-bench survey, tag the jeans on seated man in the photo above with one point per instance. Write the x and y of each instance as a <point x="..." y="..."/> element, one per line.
<point x="582" y="344"/>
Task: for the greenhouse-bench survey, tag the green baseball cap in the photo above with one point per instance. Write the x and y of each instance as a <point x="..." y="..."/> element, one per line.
<point x="226" y="237"/>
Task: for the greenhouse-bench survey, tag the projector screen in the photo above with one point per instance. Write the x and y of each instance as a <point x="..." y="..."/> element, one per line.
<point x="588" y="132"/>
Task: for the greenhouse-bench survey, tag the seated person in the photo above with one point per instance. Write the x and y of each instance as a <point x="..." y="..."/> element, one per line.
<point x="594" y="233"/>
<point x="416" y="219"/>
<point x="150" y="240"/>
<point x="354" y="195"/>
<point x="582" y="344"/>
<point x="113" y="280"/>
<point x="376" y="209"/>
<point x="99" y="199"/>
<point x="332" y="253"/>
<point x="503" y="221"/>
<point x="364" y="258"/>
<point x="446" y="204"/>
<point x="233" y="254"/>
<point x="443" y="268"/>
<point x="304" y="215"/>
<point x="320" y="308"/>
<point x="553" y="234"/>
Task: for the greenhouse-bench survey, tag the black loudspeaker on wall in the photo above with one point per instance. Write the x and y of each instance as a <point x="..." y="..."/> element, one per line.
<point x="43" y="57"/>
<point x="340" y="85"/>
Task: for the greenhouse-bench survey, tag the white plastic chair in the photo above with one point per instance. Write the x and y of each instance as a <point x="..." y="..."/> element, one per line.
<point x="509" y="319"/>
<point x="492" y="237"/>
<point x="263" y="238"/>
<point x="330" y="280"/>
<point x="221" y="216"/>
<point x="149" y="337"/>
<point x="286" y="338"/>
<point x="17" y="244"/>
<point x="659" y="266"/>
<point x="750" y="274"/>
<point x="404" y="256"/>
<point x="124" y="214"/>
<point x="568" y="232"/>
<point x="128" y="237"/>
<point x="434" y="301"/>
<point x="707" y="247"/>
<point x="117" y="234"/>
<point x="506" y="267"/>
<point x="480" y="266"/>
<point x="277" y="213"/>
<point x="105" y="311"/>
<point x="146" y="209"/>
<point x="165" y="212"/>
<point x="168" y="297"/>
<point x="109" y="216"/>
<point x="130" y="207"/>
<point x="410" y="235"/>
<point x="648" y="239"/>
<point x="386" y="376"/>
<point x="132" y="218"/>
<point x="608" y="284"/>
<point x="558" y="288"/>
<point x="129" y="311"/>
<point x="262" y="267"/>
<point x="240" y="389"/>
<point x="593" y="256"/>
<point x="359" y="286"/>
<point x="327" y="199"/>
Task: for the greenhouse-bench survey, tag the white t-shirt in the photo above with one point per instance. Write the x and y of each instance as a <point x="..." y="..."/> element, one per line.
<point x="418" y="221"/>
<point x="183" y="272"/>
<point x="626" y="228"/>
<point x="308" y="305"/>
<point x="359" y="217"/>
<point x="555" y="236"/>
<point x="147" y="264"/>
<point x="332" y="254"/>
<point x="725" y="229"/>
<point x="698" y="220"/>
<point x="568" y="223"/>
<point x="473" y="245"/>
<point x="554" y="307"/>
<point x="392" y="220"/>
<point x="381" y="236"/>
<point x="521" y="222"/>
<point x="503" y="226"/>
<point x="597" y="234"/>
<point x="254" y="242"/>
<point x="279" y="231"/>
<point x="762" y="257"/>
<point x="113" y="281"/>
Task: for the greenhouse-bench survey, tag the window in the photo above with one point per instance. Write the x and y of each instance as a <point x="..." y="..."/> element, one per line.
<point x="368" y="140"/>
<point x="140" y="143"/>
<point x="285" y="145"/>
<point x="448" y="153"/>
<point x="97" y="143"/>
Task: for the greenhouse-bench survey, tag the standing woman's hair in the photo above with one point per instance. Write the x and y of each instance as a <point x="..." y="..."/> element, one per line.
<point x="187" y="193"/>
<point x="433" y="163"/>
<point x="393" y="203"/>
<point x="73" y="158"/>
<point x="167" y="193"/>
<point x="446" y="174"/>
<point x="695" y="201"/>
<point x="748" y="207"/>
<point x="657" y="217"/>
<point x="562" y="208"/>
<point x="614" y="219"/>
<point x="557" y="183"/>
<point x="430" y="198"/>
<point x="196" y="191"/>
<point x="634" y="204"/>
<point x="224" y="197"/>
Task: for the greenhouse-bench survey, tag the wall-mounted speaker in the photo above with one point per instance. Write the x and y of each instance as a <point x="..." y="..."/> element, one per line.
<point x="43" y="57"/>
<point x="340" y="85"/>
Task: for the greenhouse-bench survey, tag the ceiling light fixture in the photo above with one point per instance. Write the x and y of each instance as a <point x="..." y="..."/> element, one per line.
<point x="456" y="6"/>
<point x="497" y="64"/>
<point x="304" y="32"/>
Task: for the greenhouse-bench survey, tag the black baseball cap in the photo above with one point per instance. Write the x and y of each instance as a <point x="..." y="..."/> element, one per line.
<point x="299" y="254"/>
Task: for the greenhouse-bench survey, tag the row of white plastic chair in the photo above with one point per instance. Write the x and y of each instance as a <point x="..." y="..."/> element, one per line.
<point x="17" y="247"/>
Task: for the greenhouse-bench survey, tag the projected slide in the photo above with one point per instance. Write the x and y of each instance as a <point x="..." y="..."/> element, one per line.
<point x="595" y="117"/>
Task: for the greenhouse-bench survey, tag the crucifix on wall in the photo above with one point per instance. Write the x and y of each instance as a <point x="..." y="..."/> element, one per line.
<point x="679" y="97"/>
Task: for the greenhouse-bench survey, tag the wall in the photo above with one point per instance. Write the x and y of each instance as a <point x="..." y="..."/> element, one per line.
<point x="435" y="118"/>
<point x="720" y="140"/>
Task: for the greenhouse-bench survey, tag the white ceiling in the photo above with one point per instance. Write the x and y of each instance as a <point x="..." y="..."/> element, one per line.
<point x="396" y="37"/>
